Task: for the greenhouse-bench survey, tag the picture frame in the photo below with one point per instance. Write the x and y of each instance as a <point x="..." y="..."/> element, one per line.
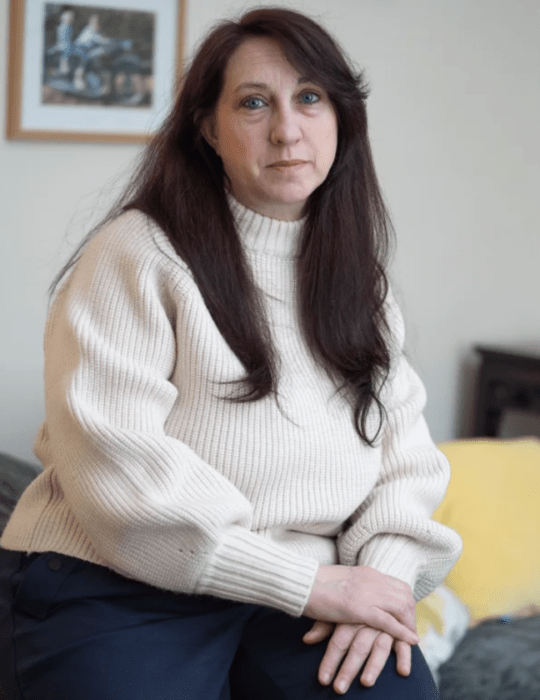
<point x="93" y="70"/>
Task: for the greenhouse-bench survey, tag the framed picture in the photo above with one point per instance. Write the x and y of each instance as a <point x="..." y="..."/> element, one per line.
<point x="86" y="71"/>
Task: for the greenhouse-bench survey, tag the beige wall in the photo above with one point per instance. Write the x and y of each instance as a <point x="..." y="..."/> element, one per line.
<point x="455" y="114"/>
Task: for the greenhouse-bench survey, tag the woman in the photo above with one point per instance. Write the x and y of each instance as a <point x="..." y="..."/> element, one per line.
<point x="234" y="446"/>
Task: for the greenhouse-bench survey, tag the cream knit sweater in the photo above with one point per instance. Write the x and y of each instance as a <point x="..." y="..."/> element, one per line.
<point x="150" y="472"/>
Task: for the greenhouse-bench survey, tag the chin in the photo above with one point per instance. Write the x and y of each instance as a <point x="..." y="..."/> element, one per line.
<point x="292" y="197"/>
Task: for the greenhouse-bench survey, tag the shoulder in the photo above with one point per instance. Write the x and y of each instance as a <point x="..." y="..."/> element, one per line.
<point x="128" y="273"/>
<point x="133" y="242"/>
<point x="129" y="258"/>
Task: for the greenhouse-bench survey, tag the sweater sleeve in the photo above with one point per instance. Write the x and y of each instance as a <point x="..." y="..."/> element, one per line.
<point x="392" y="530"/>
<point x="150" y="507"/>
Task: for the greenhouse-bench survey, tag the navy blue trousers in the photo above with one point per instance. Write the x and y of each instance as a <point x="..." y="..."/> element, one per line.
<point x="70" y="630"/>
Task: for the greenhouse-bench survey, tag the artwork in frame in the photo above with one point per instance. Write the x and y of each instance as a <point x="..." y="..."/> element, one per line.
<point x="86" y="71"/>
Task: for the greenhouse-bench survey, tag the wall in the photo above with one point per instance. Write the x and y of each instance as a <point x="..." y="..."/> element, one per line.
<point x="454" y="115"/>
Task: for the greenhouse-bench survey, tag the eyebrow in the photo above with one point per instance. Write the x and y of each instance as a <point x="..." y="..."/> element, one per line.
<point x="264" y="86"/>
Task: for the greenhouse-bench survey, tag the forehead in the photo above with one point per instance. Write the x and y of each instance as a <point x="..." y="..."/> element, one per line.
<point x="258" y="60"/>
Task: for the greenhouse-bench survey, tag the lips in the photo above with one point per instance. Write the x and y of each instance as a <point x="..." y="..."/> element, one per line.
<point x="287" y="163"/>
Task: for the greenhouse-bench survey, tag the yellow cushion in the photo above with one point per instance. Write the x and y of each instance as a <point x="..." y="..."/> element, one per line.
<point x="430" y="613"/>
<point x="493" y="501"/>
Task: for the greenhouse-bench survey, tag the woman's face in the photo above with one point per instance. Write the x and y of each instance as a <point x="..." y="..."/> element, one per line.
<point x="275" y="131"/>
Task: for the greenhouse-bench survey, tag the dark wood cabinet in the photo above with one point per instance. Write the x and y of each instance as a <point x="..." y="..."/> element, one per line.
<point x="509" y="379"/>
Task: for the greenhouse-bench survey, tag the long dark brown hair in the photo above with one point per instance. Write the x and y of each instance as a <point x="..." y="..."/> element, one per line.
<point x="345" y="245"/>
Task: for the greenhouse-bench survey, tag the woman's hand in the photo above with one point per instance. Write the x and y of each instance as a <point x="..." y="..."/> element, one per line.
<point x="352" y="646"/>
<point x="361" y="595"/>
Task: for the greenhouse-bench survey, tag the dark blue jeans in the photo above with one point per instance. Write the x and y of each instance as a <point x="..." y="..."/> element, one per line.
<point x="71" y="630"/>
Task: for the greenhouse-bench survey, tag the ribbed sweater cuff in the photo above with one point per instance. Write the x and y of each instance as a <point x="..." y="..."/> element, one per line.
<point x="251" y="569"/>
<point x="394" y="555"/>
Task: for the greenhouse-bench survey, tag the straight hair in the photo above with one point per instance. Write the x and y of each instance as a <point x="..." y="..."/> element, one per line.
<point x="346" y="240"/>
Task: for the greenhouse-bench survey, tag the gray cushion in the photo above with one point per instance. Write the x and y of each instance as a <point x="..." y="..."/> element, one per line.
<point x="497" y="660"/>
<point x="15" y="475"/>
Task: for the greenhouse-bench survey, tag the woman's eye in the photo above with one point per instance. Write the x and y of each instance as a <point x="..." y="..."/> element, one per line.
<point x="309" y="98"/>
<point x="253" y="103"/>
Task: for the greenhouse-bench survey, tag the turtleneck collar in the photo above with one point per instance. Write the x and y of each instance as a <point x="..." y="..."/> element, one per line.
<point x="265" y="235"/>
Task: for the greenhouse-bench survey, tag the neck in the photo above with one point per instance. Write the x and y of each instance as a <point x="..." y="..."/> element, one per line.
<point x="266" y="235"/>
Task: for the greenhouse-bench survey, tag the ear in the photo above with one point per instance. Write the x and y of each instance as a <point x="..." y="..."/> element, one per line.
<point x="208" y="130"/>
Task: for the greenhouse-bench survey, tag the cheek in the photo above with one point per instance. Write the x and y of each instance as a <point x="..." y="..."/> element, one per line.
<point x="235" y="138"/>
<point x="246" y="151"/>
<point x="236" y="147"/>
<point x="328" y="148"/>
<point x="324" y="138"/>
<point x="239" y="162"/>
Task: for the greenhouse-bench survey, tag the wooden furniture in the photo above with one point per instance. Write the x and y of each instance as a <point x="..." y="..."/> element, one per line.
<point x="509" y="379"/>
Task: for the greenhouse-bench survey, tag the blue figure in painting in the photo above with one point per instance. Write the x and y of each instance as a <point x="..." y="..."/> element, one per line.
<point x="94" y="66"/>
<point x="64" y="44"/>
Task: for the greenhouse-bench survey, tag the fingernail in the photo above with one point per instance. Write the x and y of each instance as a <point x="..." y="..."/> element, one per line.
<point x="326" y="679"/>
<point x="341" y="686"/>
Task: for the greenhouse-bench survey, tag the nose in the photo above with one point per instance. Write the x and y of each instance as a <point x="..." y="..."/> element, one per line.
<point x="285" y="127"/>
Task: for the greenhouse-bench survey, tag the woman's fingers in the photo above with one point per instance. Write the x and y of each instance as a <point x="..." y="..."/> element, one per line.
<point x="385" y="622"/>
<point x="320" y="630"/>
<point x="349" y="642"/>
<point x="403" y="653"/>
<point x="355" y="648"/>
<point x="377" y="659"/>
<point x="361" y="646"/>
